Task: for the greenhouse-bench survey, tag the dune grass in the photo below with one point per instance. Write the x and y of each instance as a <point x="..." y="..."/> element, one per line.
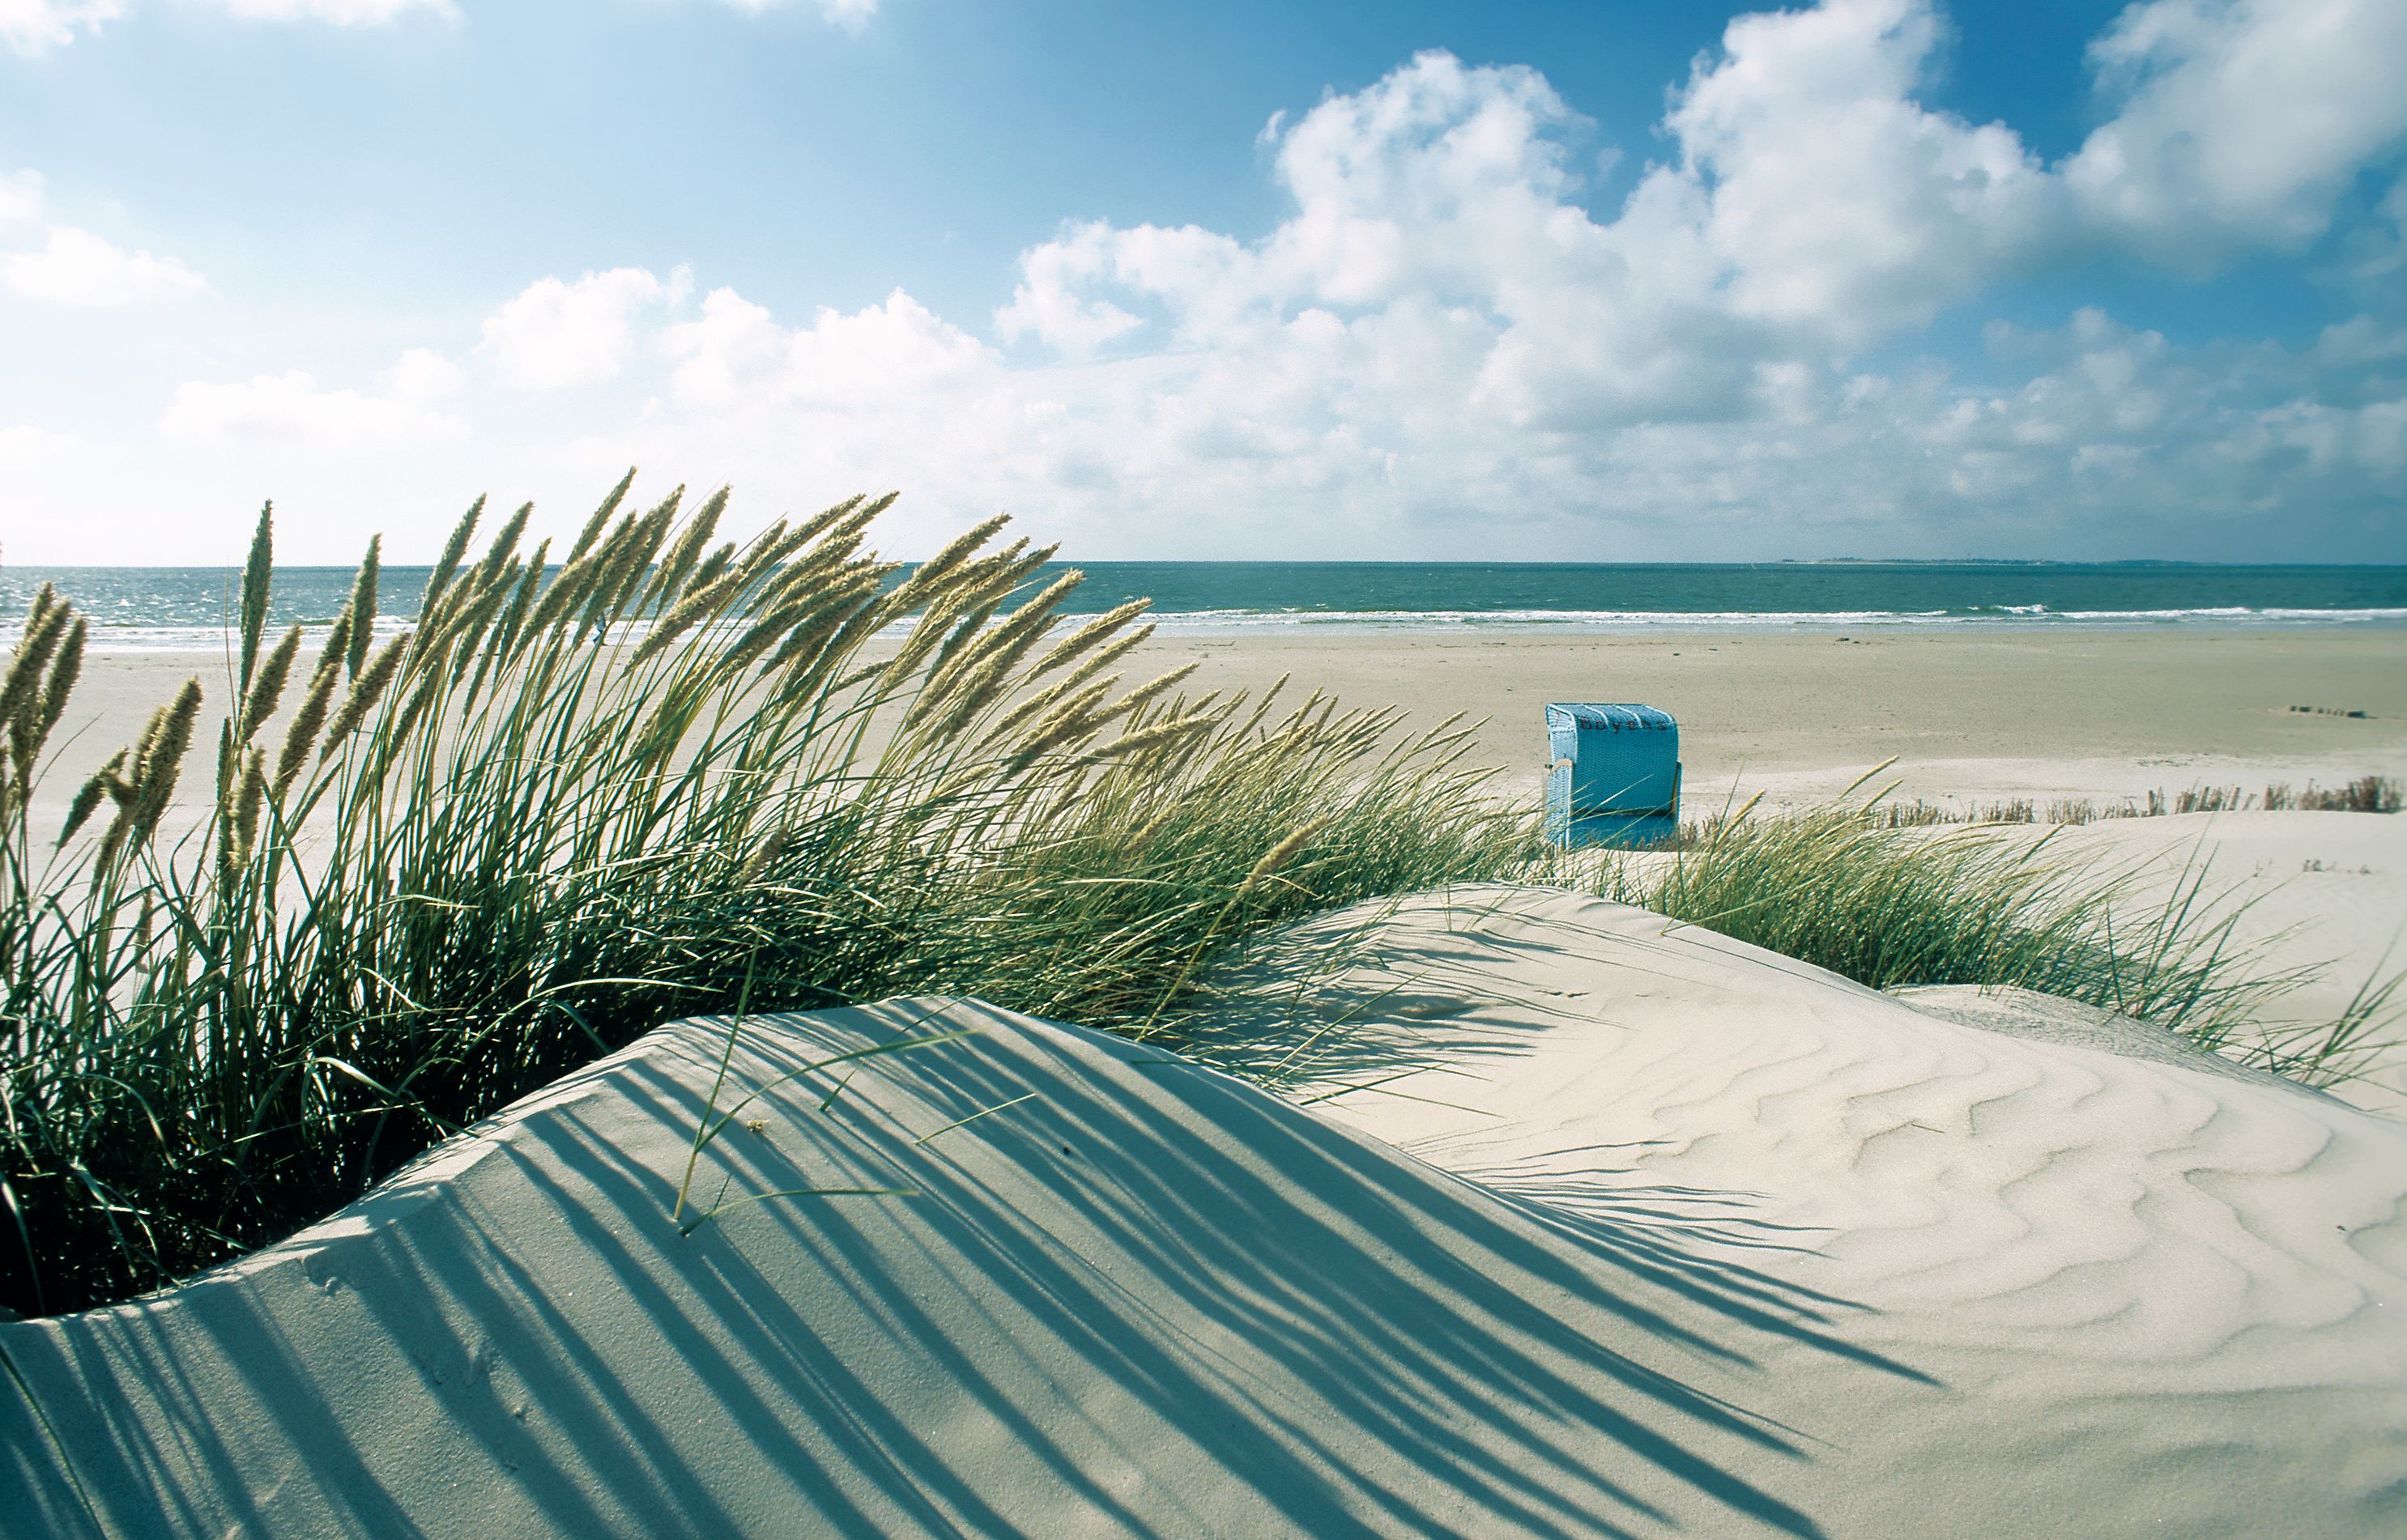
<point x="660" y="776"/>
<point x="575" y="800"/>
<point x="2366" y="794"/>
<point x="1891" y="904"/>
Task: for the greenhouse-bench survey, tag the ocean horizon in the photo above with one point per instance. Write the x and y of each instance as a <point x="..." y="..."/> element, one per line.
<point x="178" y="608"/>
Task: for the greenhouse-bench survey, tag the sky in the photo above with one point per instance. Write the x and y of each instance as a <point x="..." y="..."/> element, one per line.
<point x="1573" y="281"/>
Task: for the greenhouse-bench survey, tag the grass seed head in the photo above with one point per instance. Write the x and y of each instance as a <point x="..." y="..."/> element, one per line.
<point x="686" y="551"/>
<point x="513" y="628"/>
<point x="1134" y="745"/>
<point x="715" y="563"/>
<point x="20" y="688"/>
<point x="1281" y="853"/>
<point x="256" y="575"/>
<point x="242" y="834"/>
<point x="925" y="578"/>
<point x="689" y="612"/>
<point x="602" y="517"/>
<point x="362" y="610"/>
<point x="505" y="545"/>
<point x="267" y="688"/>
<point x="64" y="671"/>
<point x="829" y="518"/>
<point x="447" y="564"/>
<point x="301" y="736"/>
<point x="1069" y="648"/>
<point x="764" y="855"/>
<point x="86" y="801"/>
<point x="366" y="691"/>
<point x="158" y="764"/>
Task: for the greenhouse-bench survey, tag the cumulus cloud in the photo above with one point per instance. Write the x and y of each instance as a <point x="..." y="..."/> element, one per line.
<point x="1440" y="336"/>
<point x="1812" y="202"/>
<point x="2238" y="122"/>
<point x="2120" y="419"/>
<point x="76" y="267"/>
<point x="34" y="27"/>
<point x="1048" y="304"/>
<point x="1442" y="348"/>
<point x="738" y="355"/>
<point x="555" y="334"/>
<point x="1831" y="199"/>
<point x="294" y="411"/>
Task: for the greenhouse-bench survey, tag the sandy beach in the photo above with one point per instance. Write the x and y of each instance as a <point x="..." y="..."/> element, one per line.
<point x="1560" y="1219"/>
<point x="1621" y="1231"/>
<point x="556" y="984"/>
<point x="2103" y="715"/>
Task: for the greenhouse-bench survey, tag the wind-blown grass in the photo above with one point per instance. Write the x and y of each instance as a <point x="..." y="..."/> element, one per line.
<point x="1846" y="888"/>
<point x="661" y="776"/>
<point x="574" y="801"/>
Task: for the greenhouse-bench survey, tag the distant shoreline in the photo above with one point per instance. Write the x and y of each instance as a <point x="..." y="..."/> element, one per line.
<point x="157" y="609"/>
<point x="213" y="641"/>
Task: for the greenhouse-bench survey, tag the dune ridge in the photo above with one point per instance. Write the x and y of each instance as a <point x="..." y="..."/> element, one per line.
<point x="1591" y="1228"/>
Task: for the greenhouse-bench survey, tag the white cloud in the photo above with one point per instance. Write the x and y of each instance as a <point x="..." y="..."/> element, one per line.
<point x="423" y="374"/>
<point x="1441" y="348"/>
<point x="341" y="13"/>
<point x="1833" y="200"/>
<point x="1440" y="339"/>
<point x="76" y="267"/>
<point x="556" y="334"/>
<point x="1047" y="305"/>
<point x="851" y="15"/>
<point x="2240" y="121"/>
<point x="292" y="411"/>
<point x="738" y="355"/>
<point x="1813" y="206"/>
<point x="20" y="196"/>
<point x="34" y="27"/>
<point x="24" y="448"/>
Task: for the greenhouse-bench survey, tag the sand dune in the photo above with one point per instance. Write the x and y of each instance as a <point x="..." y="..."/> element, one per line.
<point x="1637" y="1233"/>
<point x="2319" y="890"/>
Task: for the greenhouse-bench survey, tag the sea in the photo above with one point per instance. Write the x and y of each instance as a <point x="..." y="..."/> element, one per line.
<point x="186" y="608"/>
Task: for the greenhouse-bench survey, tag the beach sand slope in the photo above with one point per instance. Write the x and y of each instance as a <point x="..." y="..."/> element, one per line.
<point x="2321" y="894"/>
<point x="1657" y="1233"/>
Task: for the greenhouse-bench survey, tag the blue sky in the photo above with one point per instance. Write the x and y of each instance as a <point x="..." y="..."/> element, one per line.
<point x="2056" y="278"/>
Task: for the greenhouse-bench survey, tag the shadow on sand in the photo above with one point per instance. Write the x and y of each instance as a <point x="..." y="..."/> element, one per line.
<point x="1146" y="1299"/>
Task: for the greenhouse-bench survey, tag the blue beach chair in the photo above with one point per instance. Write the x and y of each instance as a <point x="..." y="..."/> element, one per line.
<point x="1616" y="775"/>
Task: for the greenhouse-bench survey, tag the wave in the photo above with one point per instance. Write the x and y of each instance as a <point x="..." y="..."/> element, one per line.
<point x="2008" y="616"/>
<point x="134" y="636"/>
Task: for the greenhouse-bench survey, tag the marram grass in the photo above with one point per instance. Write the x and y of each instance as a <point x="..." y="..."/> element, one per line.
<point x="655" y="776"/>
<point x="1890" y="904"/>
<point x="573" y="801"/>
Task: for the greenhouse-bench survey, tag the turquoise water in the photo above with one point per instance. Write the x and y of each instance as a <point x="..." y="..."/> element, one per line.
<point x="170" y="607"/>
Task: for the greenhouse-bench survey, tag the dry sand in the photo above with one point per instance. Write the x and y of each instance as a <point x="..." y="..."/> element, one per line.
<point x="2100" y="714"/>
<point x="1626" y="1231"/>
<point x="2095" y="713"/>
<point x="1591" y="1225"/>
